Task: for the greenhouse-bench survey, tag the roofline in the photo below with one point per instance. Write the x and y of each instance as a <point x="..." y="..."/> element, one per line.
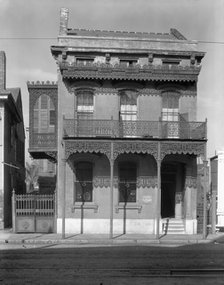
<point x="7" y="98"/>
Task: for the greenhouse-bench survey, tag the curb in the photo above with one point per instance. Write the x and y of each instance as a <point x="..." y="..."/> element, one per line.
<point x="104" y="242"/>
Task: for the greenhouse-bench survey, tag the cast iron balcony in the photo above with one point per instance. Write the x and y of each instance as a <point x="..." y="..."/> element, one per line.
<point x="135" y="129"/>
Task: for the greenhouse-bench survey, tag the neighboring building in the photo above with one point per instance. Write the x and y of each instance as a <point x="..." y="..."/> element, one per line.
<point x="43" y="103"/>
<point x="217" y="189"/>
<point x="12" y="145"/>
<point x="124" y="132"/>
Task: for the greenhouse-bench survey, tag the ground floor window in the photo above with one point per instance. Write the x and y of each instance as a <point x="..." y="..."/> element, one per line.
<point x="127" y="182"/>
<point x="84" y="182"/>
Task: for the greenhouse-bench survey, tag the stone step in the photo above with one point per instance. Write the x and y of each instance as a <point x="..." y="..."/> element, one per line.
<point x="173" y="226"/>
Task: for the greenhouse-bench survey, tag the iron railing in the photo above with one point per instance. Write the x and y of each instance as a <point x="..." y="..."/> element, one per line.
<point x="43" y="140"/>
<point x="33" y="204"/>
<point x="135" y="129"/>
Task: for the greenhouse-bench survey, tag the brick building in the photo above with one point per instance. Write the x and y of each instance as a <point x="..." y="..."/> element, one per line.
<point x="12" y="145"/>
<point x="123" y="131"/>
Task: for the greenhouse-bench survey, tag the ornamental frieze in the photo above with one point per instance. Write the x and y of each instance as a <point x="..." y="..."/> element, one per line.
<point x="87" y="146"/>
<point x="147" y="181"/>
<point x="182" y="148"/>
<point x="135" y="147"/>
<point x="35" y="93"/>
<point x="142" y="181"/>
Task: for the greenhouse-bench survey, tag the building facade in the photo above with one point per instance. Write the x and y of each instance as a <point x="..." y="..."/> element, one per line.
<point x="217" y="190"/>
<point x="12" y="146"/>
<point x="125" y="136"/>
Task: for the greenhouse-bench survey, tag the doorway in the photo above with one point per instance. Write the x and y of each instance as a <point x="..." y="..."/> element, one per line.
<point x="172" y="181"/>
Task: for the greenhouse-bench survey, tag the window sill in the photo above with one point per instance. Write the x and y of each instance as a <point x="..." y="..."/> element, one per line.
<point x="128" y="206"/>
<point x="85" y="206"/>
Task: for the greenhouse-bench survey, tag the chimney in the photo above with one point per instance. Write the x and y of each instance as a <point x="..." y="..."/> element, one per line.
<point x="63" y="21"/>
<point x="2" y="70"/>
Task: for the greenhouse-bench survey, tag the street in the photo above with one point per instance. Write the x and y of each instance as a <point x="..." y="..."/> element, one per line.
<point x="66" y="264"/>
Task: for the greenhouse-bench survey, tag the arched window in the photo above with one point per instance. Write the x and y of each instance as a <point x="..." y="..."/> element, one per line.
<point x="170" y="106"/>
<point x="44" y="120"/>
<point x="85" y="104"/>
<point x="84" y="182"/>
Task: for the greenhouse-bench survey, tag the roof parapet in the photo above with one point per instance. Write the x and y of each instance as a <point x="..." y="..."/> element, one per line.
<point x="42" y="83"/>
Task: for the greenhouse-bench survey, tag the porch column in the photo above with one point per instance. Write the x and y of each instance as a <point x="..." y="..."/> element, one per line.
<point x="111" y="189"/>
<point x="158" y="196"/>
<point x="205" y="199"/>
<point x="63" y="198"/>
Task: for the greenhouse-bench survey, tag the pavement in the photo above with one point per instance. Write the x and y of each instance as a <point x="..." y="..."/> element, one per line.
<point x="7" y="236"/>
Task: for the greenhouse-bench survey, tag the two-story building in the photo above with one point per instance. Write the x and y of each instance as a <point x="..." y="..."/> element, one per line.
<point x="123" y="130"/>
<point x="12" y="145"/>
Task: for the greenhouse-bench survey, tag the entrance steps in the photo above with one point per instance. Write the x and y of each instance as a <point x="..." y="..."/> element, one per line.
<point x="173" y="226"/>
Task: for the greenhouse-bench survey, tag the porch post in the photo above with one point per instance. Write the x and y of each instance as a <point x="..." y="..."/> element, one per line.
<point x="63" y="197"/>
<point x="205" y="162"/>
<point x="111" y="189"/>
<point x="13" y="211"/>
<point x="158" y="212"/>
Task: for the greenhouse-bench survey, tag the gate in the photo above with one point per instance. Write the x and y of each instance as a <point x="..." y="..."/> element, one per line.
<point x="33" y="213"/>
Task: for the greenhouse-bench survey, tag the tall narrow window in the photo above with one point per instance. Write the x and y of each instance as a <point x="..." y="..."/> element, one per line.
<point x="85" y="104"/>
<point x="128" y="113"/>
<point x="128" y="105"/>
<point x="127" y="182"/>
<point x="84" y="182"/>
<point x="44" y="116"/>
<point x="170" y="106"/>
<point x="170" y="114"/>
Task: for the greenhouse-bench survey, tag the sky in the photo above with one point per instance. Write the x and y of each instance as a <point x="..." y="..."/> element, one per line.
<point x="30" y="59"/>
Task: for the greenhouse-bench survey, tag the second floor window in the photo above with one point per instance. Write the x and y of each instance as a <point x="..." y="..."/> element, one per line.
<point x="128" y="105"/>
<point x="85" y="104"/>
<point x="170" y="107"/>
<point x="44" y="115"/>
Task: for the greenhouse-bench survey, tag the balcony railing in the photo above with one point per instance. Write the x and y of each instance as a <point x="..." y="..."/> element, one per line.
<point x="135" y="129"/>
<point x="42" y="141"/>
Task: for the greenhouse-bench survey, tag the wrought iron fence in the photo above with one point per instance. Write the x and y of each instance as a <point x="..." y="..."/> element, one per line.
<point x="33" y="212"/>
<point x="138" y="129"/>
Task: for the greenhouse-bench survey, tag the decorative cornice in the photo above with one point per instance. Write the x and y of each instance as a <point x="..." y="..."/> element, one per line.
<point x="118" y="72"/>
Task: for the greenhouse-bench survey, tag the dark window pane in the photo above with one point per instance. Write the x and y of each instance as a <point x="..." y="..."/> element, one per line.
<point x="84" y="185"/>
<point x="44" y="101"/>
<point x="127" y="184"/>
<point x="52" y="117"/>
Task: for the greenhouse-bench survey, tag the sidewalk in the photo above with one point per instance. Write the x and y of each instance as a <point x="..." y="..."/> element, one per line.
<point x="7" y="236"/>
